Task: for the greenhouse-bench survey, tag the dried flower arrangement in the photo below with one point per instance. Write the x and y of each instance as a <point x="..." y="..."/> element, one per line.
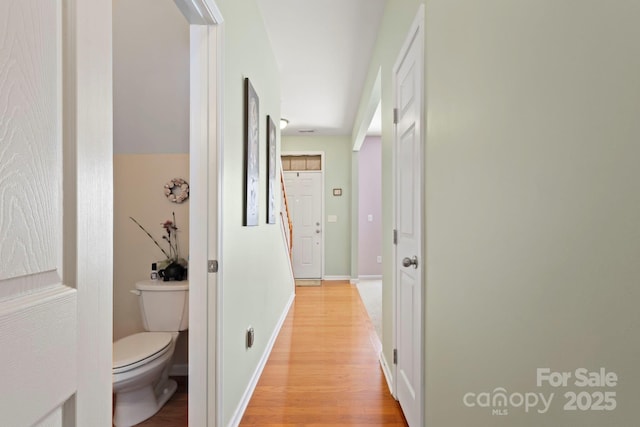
<point x="171" y="237"/>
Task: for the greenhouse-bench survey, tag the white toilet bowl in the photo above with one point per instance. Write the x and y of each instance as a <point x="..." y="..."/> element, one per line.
<point x="141" y="362"/>
<point x="141" y="381"/>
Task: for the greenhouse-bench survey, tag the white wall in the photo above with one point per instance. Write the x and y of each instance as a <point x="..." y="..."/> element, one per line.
<point x="533" y="204"/>
<point x="150" y="77"/>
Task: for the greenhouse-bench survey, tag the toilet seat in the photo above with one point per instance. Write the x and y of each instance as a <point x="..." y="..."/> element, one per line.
<point x="139" y="349"/>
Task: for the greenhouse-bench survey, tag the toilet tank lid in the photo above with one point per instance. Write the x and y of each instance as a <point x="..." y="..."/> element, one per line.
<point x="159" y="285"/>
<point x="137" y="347"/>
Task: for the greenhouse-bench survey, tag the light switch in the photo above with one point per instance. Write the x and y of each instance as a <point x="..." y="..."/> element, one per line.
<point x="332" y="218"/>
<point x="370" y="218"/>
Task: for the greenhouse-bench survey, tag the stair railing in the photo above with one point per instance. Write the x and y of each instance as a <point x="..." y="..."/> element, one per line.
<point x="285" y="214"/>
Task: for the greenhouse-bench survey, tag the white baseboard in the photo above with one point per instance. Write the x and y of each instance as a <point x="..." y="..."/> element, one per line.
<point x="179" y="370"/>
<point x="354" y="281"/>
<point x="246" y="397"/>
<point x="370" y="277"/>
<point x="330" y="278"/>
<point x="387" y="373"/>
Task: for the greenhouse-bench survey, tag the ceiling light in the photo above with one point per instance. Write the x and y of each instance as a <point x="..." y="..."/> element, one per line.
<point x="283" y="123"/>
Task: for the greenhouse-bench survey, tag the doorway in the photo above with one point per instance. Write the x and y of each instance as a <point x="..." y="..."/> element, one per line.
<point x="408" y="150"/>
<point x="303" y="176"/>
<point x="194" y="105"/>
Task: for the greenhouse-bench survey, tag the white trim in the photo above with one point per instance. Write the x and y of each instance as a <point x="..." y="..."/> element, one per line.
<point x="219" y="67"/>
<point x="88" y="124"/>
<point x="246" y="396"/>
<point x="205" y="147"/>
<point x="322" y="198"/>
<point x="332" y="278"/>
<point x="388" y="374"/>
<point x="200" y="12"/>
<point x="371" y="277"/>
<point x="353" y="281"/>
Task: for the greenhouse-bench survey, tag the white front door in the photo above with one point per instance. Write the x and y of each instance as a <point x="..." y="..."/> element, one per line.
<point x="304" y="190"/>
<point x="38" y="313"/>
<point x="408" y="77"/>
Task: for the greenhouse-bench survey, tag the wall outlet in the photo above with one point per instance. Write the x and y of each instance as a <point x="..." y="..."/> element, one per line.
<point x="379" y="259"/>
<point x="332" y="218"/>
<point x="370" y="218"/>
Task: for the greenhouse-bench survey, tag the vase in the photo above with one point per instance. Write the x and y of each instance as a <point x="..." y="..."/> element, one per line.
<point x="173" y="272"/>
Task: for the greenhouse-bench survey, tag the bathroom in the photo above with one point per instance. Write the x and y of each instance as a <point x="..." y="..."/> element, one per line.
<point x="151" y="147"/>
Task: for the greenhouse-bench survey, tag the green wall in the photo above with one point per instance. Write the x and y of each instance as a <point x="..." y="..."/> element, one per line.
<point x="531" y="203"/>
<point x="255" y="275"/>
<point x="398" y="16"/>
<point x="337" y="162"/>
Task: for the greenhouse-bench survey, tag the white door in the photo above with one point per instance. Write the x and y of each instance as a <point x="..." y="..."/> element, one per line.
<point x="408" y="260"/>
<point x="38" y="315"/>
<point x="304" y="190"/>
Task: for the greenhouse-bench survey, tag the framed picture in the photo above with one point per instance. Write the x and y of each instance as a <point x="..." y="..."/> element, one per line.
<point x="251" y="154"/>
<point x="271" y="171"/>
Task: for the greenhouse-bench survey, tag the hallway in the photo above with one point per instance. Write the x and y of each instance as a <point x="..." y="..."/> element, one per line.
<point x="324" y="368"/>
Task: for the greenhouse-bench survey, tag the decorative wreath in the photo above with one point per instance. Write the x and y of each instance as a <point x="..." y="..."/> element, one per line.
<point x="177" y="190"/>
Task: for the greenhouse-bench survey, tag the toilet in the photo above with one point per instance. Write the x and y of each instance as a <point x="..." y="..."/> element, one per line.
<point x="141" y="361"/>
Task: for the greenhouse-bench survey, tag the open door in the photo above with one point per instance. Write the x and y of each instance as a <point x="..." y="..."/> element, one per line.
<point x="408" y="148"/>
<point x="55" y="212"/>
<point x="205" y="146"/>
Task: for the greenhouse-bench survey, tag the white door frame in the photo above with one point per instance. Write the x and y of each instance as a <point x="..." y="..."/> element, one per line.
<point x="88" y="201"/>
<point x="88" y="169"/>
<point x="417" y="27"/>
<point x="205" y="176"/>
<point x="321" y="154"/>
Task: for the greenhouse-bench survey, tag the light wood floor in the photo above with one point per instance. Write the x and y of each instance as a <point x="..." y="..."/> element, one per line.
<point x="323" y="370"/>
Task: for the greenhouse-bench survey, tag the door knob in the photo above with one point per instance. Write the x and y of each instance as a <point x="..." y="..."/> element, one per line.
<point x="407" y="262"/>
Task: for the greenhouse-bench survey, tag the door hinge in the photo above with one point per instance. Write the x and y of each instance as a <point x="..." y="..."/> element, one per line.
<point x="395" y="356"/>
<point x="212" y="266"/>
<point x="395" y="237"/>
<point x="395" y="116"/>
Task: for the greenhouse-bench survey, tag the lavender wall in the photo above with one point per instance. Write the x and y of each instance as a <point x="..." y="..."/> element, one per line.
<point x="370" y="203"/>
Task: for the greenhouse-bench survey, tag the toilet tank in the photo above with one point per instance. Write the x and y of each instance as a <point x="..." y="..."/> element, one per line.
<point x="164" y="305"/>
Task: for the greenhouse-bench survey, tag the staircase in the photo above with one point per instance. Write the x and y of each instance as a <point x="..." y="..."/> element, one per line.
<point x="285" y="215"/>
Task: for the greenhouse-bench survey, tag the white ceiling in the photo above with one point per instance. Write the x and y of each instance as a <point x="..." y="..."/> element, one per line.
<point x="323" y="49"/>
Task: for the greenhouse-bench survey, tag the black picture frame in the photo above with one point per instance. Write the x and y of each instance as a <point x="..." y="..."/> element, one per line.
<point x="252" y="154"/>
<point x="271" y="170"/>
